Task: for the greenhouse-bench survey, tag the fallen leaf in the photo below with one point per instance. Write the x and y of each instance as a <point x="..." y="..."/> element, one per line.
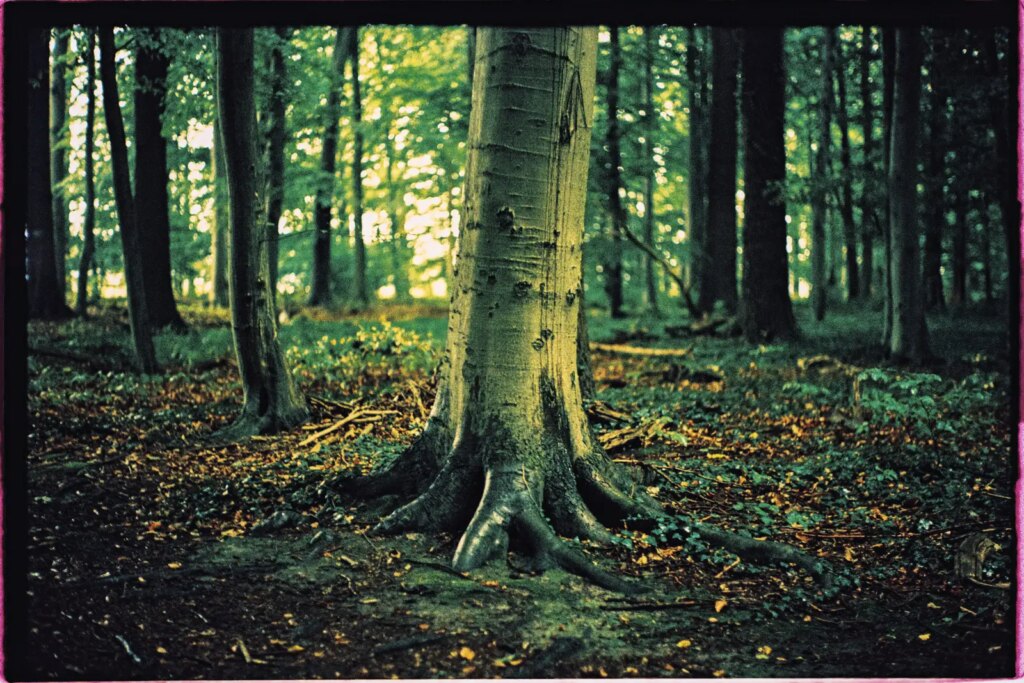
<point x="684" y="643"/>
<point x="719" y="604"/>
<point x="467" y="653"/>
<point x="925" y="636"/>
<point x="174" y="565"/>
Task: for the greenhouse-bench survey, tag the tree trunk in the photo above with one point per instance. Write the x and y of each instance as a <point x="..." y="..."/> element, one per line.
<point x="720" y="278"/>
<point x="650" y="130"/>
<point x="846" y="206"/>
<point x="151" y="203"/>
<point x="275" y="150"/>
<point x="271" y="402"/>
<point x="58" y="157"/>
<point x="362" y="293"/>
<point x="697" y="178"/>
<point x="935" y="214"/>
<point x="909" y="330"/>
<point x="766" y="312"/>
<point x="819" y="245"/>
<point x="89" y="223"/>
<point x="138" y="313"/>
<point x="888" y="86"/>
<point x="613" y="256"/>
<point x="396" y="219"/>
<point x="524" y="448"/>
<point x="867" y="207"/>
<point x="320" y="293"/>
<point x="220" y="242"/>
<point x="44" y="293"/>
<point x="958" y="291"/>
<point x="986" y="248"/>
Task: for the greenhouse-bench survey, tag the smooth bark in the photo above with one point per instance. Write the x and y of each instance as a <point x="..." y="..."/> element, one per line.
<point x="909" y="339"/>
<point x="58" y="156"/>
<point x="362" y="294"/>
<point x="221" y="237"/>
<point x="276" y="133"/>
<point x="868" y="225"/>
<point x="650" y="130"/>
<point x="613" y="182"/>
<point x="819" y="244"/>
<point x="271" y="402"/>
<point x="134" y="266"/>
<point x="719" y="283"/>
<point x="697" y="175"/>
<point x="766" y="312"/>
<point x="846" y="161"/>
<point x="888" y="86"/>
<point x="151" y="200"/>
<point x="85" y="263"/>
<point x="935" y="212"/>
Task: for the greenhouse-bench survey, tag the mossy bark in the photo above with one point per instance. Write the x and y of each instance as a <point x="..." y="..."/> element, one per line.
<point x="271" y="402"/>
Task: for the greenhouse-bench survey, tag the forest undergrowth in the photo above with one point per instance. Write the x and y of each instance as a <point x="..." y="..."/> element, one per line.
<point x="154" y="554"/>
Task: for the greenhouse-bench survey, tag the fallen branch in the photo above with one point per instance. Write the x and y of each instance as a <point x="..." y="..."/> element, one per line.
<point x="358" y="415"/>
<point x="626" y="350"/>
<point x="669" y="270"/>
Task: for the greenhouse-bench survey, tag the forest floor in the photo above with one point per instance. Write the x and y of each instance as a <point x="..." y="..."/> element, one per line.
<point x="155" y="555"/>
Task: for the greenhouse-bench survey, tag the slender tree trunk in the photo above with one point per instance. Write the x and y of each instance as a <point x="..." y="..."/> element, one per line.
<point x="271" y="402"/>
<point x="138" y="314"/>
<point x="888" y="86"/>
<point x="275" y="150"/>
<point x="396" y="218"/>
<point x="220" y="243"/>
<point x="935" y="214"/>
<point x="58" y="157"/>
<point x="909" y="330"/>
<point x="867" y="207"/>
<point x="44" y="293"/>
<point x="650" y="131"/>
<point x="613" y="257"/>
<point x="986" y="248"/>
<point x="89" y="223"/>
<point x="766" y="311"/>
<point x="846" y="206"/>
<point x="362" y="292"/>
<point x="697" y="176"/>
<point x="720" y="279"/>
<point x="819" y="245"/>
<point x="958" y="292"/>
<point x="151" y="202"/>
<point x="320" y="293"/>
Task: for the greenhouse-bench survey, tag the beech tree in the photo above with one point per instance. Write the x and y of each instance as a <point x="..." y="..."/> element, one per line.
<point x="846" y="159"/>
<point x="220" y="237"/>
<point x="697" y="176"/>
<point x="89" y="223"/>
<point x="271" y="403"/>
<point x="868" y="225"/>
<point x="276" y="132"/>
<point x="766" y="311"/>
<point x="58" y="155"/>
<point x="138" y="313"/>
<point x="650" y="128"/>
<point x="617" y="212"/>
<point x="362" y="294"/>
<point x="819" y="287"/>
<point x="909" y="334"/>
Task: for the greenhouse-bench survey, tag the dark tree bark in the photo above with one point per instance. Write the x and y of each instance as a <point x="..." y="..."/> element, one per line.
<point x="819" y="244"/>
<point x="45" y="301"/>
<point x="846" y="205"/>
<point x="134" y="266"/>
<point x="650" y="130"/>
<point x="320" y="293"/>
<point x="697" y="177"/>
<point x="935" y="212"/>
<point x="220" y="242"/>
<point x="766" y="312"/>
<point x="361" y="290"/>
<point x="719" y="282"/>
<point x="958" y="291"/>
<point x="909" y="340"/>
<point x="271" y="402"/>
<point x="151" y="204"/>
<point x="275" y="149"/>
<point x="869" y="180"/>
<point x="888" y="86"/>
<point x="613" y="256"/>
<point x="85" y="263"/>
<point x="58" y="157"/>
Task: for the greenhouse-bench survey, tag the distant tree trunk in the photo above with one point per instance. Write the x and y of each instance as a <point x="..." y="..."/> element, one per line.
<point x="220" y="242"/>
<point x="765" y="311"/>
<point x="958" y="291"/>
<point x="888" y="86"/>
<point x="58" y="158"/>
<point x="719" y="283"/>
<point x="320" y="293"/>
<point x="613" y="256"/>
<point x="396" y="218"/>
<point x="89" y="223"/>
<point x="362" y="293"/>
<point x="867" y="208"/>
<point x="819" y="245"/>
<point x="986" y="248"/>
<point x="650" y="130"/>
<point x="470" y="55"/>
<point x="697" y="176"/>
<point x="151" y="204"/>
<point x="935" y="213"/>
<point x="134" y="266"/>
<point x="909" y="339"/>
<point x="44" y="293"/>
<point x="846" y="205"/>
<point x="275" y="150"/>
<point x="271" y="401"/>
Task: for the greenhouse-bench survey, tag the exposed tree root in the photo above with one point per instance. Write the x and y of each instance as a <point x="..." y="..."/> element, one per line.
<point x="765" y="552"/>
<point x="250" y="424"/>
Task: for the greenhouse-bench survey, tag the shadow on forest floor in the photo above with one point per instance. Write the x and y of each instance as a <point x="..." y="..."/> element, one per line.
<point x="154" y="556"/>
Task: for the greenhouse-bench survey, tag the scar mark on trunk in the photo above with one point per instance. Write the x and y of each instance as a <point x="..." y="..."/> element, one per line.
<point x="522" y="289"/>
<point x="537" y="344"/>
<point x="520" y="44"/>
<point x="573" y="110"/>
